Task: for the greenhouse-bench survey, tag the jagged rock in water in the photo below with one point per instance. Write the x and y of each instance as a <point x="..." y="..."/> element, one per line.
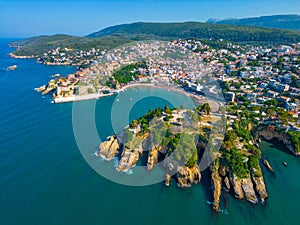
<point x="227" y="183"/>
<point x="108" y="149"/>
<point x="248" y="189"/>
<point x="41" y="88"/>
<point x="47" y="91"/>
<point x="187" y="176"/>
<point x="217" y="186"/>
<point x="168" y="180"/>
<point x="267" y="164"/>
<point x="237" y="186"/>
<point x="128" y="159"/>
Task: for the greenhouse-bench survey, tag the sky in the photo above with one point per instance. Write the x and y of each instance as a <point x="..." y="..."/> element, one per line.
<point x="26" y="18"/>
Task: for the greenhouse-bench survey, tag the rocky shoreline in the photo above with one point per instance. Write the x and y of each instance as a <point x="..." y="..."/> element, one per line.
<point x="243" y="179"/>
<point x="185" y="176"/>
<point x="271" y="132"/>
<point x="251" y="188"/>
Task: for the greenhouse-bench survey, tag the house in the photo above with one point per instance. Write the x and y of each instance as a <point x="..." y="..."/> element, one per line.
<point x="283" y="99"/>
<point x="142" y="78"/>
<point x="291" y="106"/>
<point x="250" y="96"/>
<point x="272" y="94"/>
<point x="281" y="87"/>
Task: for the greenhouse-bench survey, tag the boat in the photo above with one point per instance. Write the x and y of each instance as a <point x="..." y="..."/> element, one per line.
<point x="12" y="67"/>
<point x="55" y="75"/>
<point x="285" y="163"/>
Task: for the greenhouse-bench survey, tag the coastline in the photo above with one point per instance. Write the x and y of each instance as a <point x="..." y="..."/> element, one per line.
<point x="12" y="55"/>
<point x="197" y="98"/>
<point x="75" y="98"/>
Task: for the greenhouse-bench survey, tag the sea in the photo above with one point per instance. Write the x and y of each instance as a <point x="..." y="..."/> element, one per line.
<point x="48" y="176"/>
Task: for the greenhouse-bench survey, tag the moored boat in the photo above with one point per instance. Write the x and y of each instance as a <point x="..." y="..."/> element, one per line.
<point x="12" y="67"/>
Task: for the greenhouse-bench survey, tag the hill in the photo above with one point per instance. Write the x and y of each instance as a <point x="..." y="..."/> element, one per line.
<point x="203" y="31"/>
<point x="117" y="35"/>
<point x="288" y="22"/>
<point x="41" y="44"/>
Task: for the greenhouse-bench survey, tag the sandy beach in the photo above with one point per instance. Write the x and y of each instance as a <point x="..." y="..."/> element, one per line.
<point x="198" y="98"/>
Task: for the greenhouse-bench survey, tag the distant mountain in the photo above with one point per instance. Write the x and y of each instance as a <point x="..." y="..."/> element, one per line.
<point x="202" y="31"/>
<point x="288" y="22"/>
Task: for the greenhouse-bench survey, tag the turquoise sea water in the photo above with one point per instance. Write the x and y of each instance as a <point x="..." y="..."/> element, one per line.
<point x="45" y="180"/>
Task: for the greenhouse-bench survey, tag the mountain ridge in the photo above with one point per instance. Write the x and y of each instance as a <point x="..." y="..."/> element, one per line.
<point x="114" y="36"/>
<point x="199" y="30"/>
<point x="288" y="21"/>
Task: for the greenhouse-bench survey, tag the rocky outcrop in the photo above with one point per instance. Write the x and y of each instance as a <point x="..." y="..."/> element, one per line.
<point x="109" y="149"/>
<point x="270" y="132"/>
<point x="248" y="190"/>
<point x="227" y="183"/>
<point x="187" y="176"/>
<point x="129" y="158"/>
<point x="152" y="158"/>
<point x="217" y="186"/>
<point x="260" y="187"/>
<point x="237" y="186"/>
<point x="47" y="91"/>
<point x="222" y="170"/>
<point x="247" y="187"/>
<point x="41" y="88"/>
<point x="168" y="180"/>
<point x="267" y="164"/>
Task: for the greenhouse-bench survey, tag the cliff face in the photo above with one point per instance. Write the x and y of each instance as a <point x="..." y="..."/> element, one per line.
<point x="129" y="158"/>
<point x="109" y="149"/>
<point x="187" y="176"/>
<point x="152" y="158"/>
<point x="270" y="132"/>
<point x="260" y="187"/>
<point x="217" y="186"/>
<point x="237" y="186"/>
<point x="248" y="190"/>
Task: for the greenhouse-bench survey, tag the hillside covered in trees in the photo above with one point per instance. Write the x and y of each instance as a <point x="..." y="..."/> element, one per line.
<point x="121" y="34"/>
<point x="203" y="31"/>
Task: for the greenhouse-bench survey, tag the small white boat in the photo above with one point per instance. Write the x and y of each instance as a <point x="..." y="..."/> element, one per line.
<point x="12" y="67"/>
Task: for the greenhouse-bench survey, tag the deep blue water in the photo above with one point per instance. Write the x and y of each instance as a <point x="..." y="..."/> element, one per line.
<point x="44" y="179"/>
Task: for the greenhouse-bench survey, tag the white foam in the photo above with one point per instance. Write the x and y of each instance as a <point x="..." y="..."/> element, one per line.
<point x="224" y="211"/>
